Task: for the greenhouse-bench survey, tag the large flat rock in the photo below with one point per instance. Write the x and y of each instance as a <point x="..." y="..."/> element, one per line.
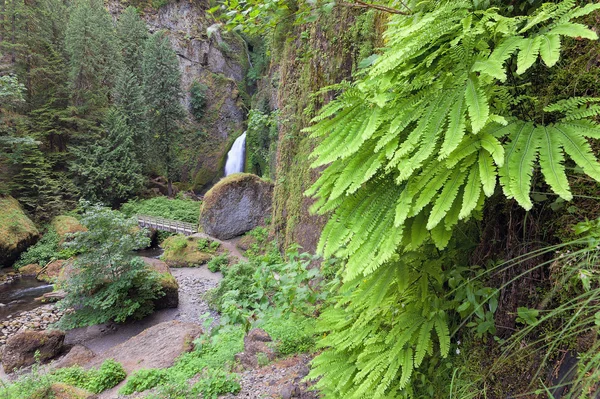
<point x="155" y="347"/>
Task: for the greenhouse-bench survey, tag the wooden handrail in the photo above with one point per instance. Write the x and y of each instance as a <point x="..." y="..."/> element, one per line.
<point x="167" y="224"/>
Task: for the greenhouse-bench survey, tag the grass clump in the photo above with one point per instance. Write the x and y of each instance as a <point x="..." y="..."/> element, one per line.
<point x="38" y="384"/>
<point x="175" y="209"/>
<point x="218" y="263"/>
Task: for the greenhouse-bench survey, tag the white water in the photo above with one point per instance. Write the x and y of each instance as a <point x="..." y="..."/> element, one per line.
<point x="235" y="157"/>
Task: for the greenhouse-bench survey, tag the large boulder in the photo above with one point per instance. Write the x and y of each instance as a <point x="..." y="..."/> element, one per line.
<point x="181" y="251"/>
<point x="20" y="349"/>
<point x="155" y="347"/>
<point x="168" y="283"/>
<point x="66" y="225"/>
<point x="236" y="205"/>
<point x="79" y="355"/>
<point x="17" y="231"/>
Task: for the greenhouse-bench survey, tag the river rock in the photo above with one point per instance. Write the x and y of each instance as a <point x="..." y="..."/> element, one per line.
<point x="20" y="349"/>
<point x="236" y="205"/>
<point x="52" y="272"/>
<point x="155" y="347"/>
<point x="79" y="355"/>
<point x="17" y="231"/>
<point x="255" y="343"/>
<point x="168" y="284"/>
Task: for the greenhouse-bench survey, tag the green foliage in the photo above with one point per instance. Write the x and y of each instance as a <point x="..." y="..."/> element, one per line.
<point x="11" y="91"/>
<point x="43" y="252"/>
<point x="108" y="171"/>
<point x="109" y="374"/>
<point x="261" y="142"/>
<point x="212" y="358"/>
<point x="292" y="333"/>
<point x="198" y="93"/>
<point x="93" y="56"/>
<point x="132" y="34"/>
<point x="107" y="282"/>
<point x="250" y="289"/>
<point x="174" y="209"/>
<point x="162" y="82"/>
<point x="412" y="148"/>
<point x="218" y="263"/>
<point x="143" y="380"/>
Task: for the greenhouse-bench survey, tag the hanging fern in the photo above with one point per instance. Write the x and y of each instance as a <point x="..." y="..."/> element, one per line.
<point x="415" y="146"/>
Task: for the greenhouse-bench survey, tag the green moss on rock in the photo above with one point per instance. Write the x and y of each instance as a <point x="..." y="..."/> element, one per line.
<point x="17" y="231"/>
<point x="64" y="225"/>
<point x="181" y="251"/>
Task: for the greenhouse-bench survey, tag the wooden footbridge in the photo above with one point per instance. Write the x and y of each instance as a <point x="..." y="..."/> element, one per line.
<point x="173" y="226"/>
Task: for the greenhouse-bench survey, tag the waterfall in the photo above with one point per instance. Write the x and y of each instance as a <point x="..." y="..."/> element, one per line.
<point x="236" y="156"/>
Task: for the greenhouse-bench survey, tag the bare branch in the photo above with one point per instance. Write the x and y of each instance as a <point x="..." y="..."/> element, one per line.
<point x="362" y="4"/>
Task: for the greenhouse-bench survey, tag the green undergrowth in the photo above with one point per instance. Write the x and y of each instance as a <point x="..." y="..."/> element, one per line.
<point x="175" y="209"/>
<point x="36" y="385"/>
<point x="46" y="250"/>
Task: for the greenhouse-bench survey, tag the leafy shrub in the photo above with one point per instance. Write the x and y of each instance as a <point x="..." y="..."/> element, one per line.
<point x="217" y="263"/>
<point x="37" y="383"/>
<point x="176" y="209"/>
<point x="292" y="333"/>
<point x="142" y="380"/>
<point x="43" y="252"/>
<point x="108" y="282"/>
<point x="215" y="382"/>
<point x="198" y="99"/>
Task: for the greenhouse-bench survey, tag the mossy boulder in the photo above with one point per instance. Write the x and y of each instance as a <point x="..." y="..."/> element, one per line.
<point x="168" y="284"/>
<point x="17" y="231"/>
<point x="30" y="270"/>
<point x="54" y="272"/>
<point x="181" y="251"/>
<point x="65" y="225"/>
<point x="20" y="349"/>
<point x="236" y="205"/>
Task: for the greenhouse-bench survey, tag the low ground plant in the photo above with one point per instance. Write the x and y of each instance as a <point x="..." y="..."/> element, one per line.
<point x="176" y="209"/>
<point x="218" y="263"/>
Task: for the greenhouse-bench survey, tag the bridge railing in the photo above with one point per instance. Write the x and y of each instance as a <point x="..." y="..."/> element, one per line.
<point x="174" y="226"/>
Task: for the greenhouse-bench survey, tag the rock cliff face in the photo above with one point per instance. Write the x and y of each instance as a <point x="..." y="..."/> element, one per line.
<point x="219" y="62"/>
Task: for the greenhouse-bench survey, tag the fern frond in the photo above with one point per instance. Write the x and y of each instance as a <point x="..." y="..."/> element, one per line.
<point x="528" y="54"/>
<point x="576" y="30"/>
<point x="520" y="165"/>
<point x="456" y="128"/>
<point x="578" y="149"/>
<point x="477" y="104"/>
<point x="570" y="104"/>
<point x="551" y="163"/>
<point x="487" y="172"/>
<point x="550" y="49"/>
<point x="445" y="199"/>
<point x="472" y="193"/>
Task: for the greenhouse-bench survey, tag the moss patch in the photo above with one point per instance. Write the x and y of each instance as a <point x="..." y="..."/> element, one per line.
<point x="17" y="231"/>
<point x="181" y="251"/>
<point x="64" y="225"/>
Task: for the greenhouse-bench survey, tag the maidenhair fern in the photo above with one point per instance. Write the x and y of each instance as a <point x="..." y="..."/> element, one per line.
<point x="415" y="146"/>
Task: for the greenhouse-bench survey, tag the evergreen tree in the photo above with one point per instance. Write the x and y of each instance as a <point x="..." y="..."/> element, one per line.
<point x="93" y="57"/>
<point x="108" y="171"/>
<point x="132" y="34"/>
<point x="163" y="93"/>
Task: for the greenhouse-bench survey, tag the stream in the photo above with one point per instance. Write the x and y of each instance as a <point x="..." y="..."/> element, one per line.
<point x="18" y="296"/>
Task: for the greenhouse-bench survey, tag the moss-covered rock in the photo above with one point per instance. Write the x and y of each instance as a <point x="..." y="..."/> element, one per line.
<point x="17" y="231"/>
<point x="20" y="349"/>
<point x="59" y="390"/>
<point x="30" y="270"/>
<point x="236" y="205"/>
<point x="168" y="284"/>
<point x="64" y="225"/>
<point x="181" y="251"/>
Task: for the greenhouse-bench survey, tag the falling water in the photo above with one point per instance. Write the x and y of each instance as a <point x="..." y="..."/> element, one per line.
<point x="235" y="157"/>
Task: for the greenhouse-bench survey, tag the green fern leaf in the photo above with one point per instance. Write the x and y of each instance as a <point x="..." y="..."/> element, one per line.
<point x="423" y="342"/>
<point x="530" y="48"/>
<point x="441" y="328"/>
<point x="441" y="236"/>
<point x="487" y="173"/>
<point x="551" y="163"/>
<point x="471" y="194"/>
<point x="493" y="146"/>
<point x="477" y="103"/>
<point x="550" y="49"/>
<point x="521" y="165"/>
<point x="574" y="30"/>
<point x="456" y="128"/>
<point x="445" y="199"/>
<point x="407" y="367"/>
<point x="578" y="149"/>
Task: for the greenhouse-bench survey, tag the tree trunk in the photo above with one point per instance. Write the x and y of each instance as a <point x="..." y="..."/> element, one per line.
<point x="169" y="187"/>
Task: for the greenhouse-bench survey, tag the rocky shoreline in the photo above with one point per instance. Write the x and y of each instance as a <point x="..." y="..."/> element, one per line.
<point x="38" y="319"/>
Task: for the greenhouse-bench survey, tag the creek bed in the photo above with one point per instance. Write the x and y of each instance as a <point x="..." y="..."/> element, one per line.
<point x="19" y="296"/>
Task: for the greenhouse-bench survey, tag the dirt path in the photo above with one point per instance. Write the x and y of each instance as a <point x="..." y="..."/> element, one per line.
<point x="230" y="245"/>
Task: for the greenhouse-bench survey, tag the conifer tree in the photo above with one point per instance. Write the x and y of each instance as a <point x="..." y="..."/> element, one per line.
<point x="93" y="58"/>
<point x="163" y="93"/>
<point x="132" y="34"/>
<point x="108" y="171"/>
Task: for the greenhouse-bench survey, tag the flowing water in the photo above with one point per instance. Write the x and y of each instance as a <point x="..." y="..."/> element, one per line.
<point x="18" y="296"/>
<point x="236" y="156"/>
